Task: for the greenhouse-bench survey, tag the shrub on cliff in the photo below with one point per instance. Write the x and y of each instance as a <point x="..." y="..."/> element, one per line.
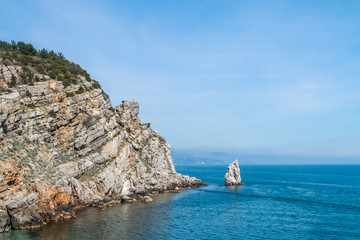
<point x="66" y="82"/>
<point x="5" y="46"/>
<point x="52" y="114"/>
<point x="44" y="61"/>
<point x="40" y="69"/>
<point x="12" y="82"/>
<point x="80" y="90"/>
<point x="70" y="94"/>
<point x="26" y="49"/>
<point x="27" y="76"/>
<point x="96" y="85"/>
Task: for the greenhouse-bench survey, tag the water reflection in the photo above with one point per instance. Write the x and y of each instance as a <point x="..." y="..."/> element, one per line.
<point x="270" y="206"/>
<point x="235" y="188"/>
<point x="123" y="221"/>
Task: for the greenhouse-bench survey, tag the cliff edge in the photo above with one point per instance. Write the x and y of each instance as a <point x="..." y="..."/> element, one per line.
<point x="63" y="146"/>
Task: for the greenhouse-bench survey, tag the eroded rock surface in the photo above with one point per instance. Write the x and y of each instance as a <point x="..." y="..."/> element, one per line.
<point x="4" y="221"/>
<point x="62" y="148"/>
<point x="232" y="177"/>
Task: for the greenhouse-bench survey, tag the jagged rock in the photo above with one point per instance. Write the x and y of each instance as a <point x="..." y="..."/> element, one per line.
<point x="18" y="205"/>
<point x="147" y="199"/>
<point x="232" y="177"/>
<point x="23" y="213"/>
<point x="4" y="221"/>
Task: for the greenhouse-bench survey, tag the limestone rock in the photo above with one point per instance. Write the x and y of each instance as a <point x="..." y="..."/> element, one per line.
<point x="18" y="205"/>
<point x="147" y="199"/>
<point x="24" y="212"/>
<point x="232" y="177"/>
<point x="4" y="221"/>
<point x="62" y="149"/>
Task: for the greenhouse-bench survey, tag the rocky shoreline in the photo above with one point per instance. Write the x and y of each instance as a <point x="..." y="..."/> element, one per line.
<point x="6" y="224"/>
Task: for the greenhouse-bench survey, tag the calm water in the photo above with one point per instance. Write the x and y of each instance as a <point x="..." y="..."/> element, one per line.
<point x="278" y="202"/>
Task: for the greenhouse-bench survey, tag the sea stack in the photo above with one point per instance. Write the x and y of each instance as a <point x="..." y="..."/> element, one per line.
<point x="232" y="177"/>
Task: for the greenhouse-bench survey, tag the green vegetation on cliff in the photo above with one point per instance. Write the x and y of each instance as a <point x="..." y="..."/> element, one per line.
<point x="43" y="61"/>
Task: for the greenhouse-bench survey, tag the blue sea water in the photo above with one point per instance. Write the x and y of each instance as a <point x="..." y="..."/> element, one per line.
<point x="278" y="202"/>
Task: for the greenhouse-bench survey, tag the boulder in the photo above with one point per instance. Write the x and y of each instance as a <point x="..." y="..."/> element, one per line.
<point x="127" y="199"/>
<point x="147" y="199"/>
<point x="232" y="177"/>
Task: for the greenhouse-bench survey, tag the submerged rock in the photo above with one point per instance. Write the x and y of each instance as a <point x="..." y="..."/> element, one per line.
<point x="232" y="177"/>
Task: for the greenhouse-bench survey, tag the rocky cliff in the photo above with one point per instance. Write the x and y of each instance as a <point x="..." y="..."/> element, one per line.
<point x="63" y="146"/>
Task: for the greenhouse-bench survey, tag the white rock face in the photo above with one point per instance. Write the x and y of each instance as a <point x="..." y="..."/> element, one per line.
<point x="232" y="177"/>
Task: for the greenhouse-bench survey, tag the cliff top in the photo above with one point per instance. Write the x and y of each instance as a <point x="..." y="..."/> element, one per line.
<point x="34" y="63"/>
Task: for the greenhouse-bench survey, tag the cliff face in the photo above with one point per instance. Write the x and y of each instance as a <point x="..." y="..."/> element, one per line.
<point x="63" y="147"/>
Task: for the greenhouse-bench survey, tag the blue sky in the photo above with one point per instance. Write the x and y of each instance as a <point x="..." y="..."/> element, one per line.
<point x="273" y="77"/>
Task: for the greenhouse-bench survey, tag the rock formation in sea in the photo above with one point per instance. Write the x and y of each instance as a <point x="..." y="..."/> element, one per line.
<point x="233" y="177"/>
<point x="63" y="146"/>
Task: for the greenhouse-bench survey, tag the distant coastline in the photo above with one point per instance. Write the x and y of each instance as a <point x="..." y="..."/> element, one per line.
<point x="204" y="157"/>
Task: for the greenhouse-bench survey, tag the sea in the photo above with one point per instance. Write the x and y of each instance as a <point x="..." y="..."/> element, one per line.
<point x="277" y="202"/>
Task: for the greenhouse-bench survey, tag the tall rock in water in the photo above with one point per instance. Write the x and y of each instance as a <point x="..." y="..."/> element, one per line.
<point x="63" y="146"/>
<point x="232" y="177"/>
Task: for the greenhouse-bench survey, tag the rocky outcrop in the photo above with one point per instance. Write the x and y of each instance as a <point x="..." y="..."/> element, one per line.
<point x="24" y="213"/>
<point x="65" y="147"/>
<point x="232" y="177"/>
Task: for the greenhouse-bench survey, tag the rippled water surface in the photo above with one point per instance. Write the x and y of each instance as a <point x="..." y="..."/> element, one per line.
<point x="278" y="202"/>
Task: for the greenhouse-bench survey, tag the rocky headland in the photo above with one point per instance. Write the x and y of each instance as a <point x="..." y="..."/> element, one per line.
<point x="64" y="147"/>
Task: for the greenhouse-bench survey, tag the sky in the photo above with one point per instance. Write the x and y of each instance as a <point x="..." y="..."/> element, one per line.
<point x="257" y="77"/>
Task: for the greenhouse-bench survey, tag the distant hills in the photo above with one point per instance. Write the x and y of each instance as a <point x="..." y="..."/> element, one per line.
<point x="203" y="157"/>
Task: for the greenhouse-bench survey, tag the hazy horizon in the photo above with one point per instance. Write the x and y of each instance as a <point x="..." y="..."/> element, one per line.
<point x="211" y="156"/>
<point x="254" y="77"/>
